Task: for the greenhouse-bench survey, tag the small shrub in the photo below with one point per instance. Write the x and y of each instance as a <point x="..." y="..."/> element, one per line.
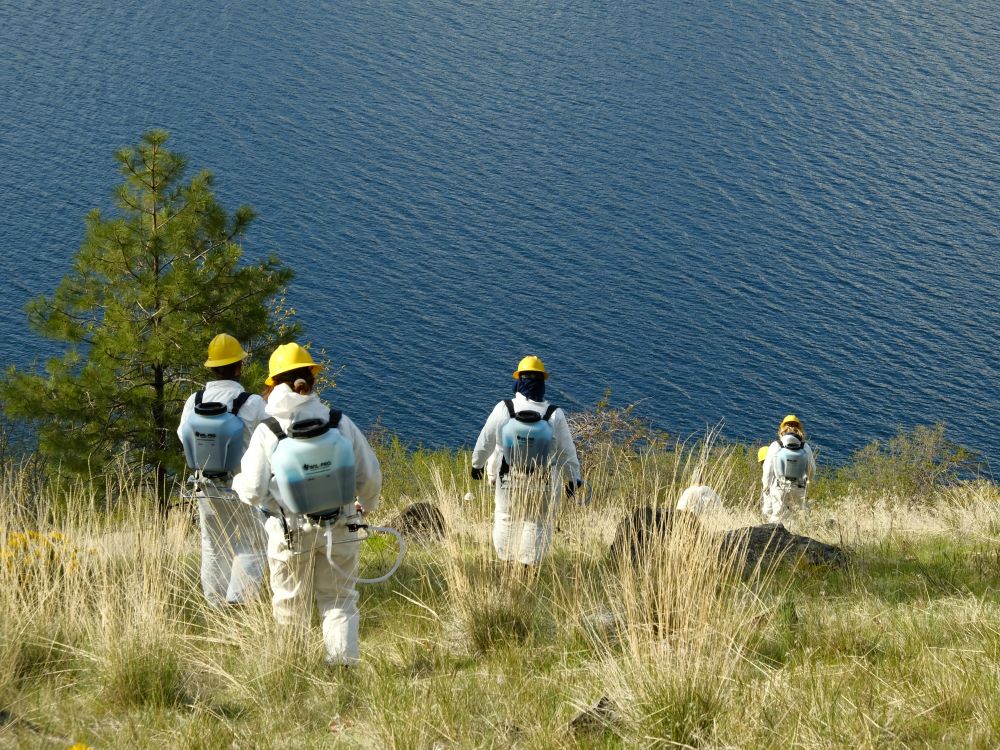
<point x="911" y="465"/>
<point x="607" y="425"/>
<point x="28" y="554"/>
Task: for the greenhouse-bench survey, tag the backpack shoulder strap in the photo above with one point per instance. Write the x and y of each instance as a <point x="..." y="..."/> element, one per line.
<point x="549" y="412"/>
<point x="198" y="397"/>
<point x="510" y="406"/>
<point x="273" y="426"/>
<point x="239" y="401"/>
<point x="335" y="415"/>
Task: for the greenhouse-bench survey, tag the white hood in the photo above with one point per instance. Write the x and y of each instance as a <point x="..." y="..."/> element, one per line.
<point x="287" y="406"/>
<point x="791" y="442"/>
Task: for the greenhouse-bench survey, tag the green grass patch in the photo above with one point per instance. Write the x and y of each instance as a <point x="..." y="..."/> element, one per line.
<point x="899" y="648"/>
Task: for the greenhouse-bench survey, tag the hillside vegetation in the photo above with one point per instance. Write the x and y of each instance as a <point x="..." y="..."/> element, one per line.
<point x="105" y="639"/>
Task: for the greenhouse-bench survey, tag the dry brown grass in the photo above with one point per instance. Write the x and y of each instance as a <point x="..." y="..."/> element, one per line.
<point x="110" y="642"/>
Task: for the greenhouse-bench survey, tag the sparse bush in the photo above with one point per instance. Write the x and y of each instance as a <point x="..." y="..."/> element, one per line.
<point x="608" y="426"/>
<point x="911" y="466"/>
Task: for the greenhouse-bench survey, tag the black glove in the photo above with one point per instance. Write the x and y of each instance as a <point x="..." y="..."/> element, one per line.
<point x="476" y="473"/>
<point x="571" y="487"/>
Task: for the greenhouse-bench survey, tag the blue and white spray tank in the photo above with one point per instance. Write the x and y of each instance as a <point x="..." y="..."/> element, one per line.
<point x="315" y="473"/>
<point x="212" y="438"/>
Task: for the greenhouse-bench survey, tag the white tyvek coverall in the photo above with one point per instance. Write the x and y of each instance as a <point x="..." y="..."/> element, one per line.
<point x="700" y="499"/>
<point x="232" y="535"/>
<point x="779" y="496"/>
<point x="523" y="515"/>
<point x="299" y="567"/>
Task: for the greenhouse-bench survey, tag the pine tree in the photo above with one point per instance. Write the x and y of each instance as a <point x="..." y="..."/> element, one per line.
<point x="149" y="288"/>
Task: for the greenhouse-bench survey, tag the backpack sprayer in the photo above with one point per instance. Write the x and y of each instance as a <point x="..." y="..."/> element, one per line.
<point x="791" y="462"/>
<point x="526" y="439"/>
<point x="213" y="438"/>
<point x="315" y="472"/>
<point x="526" y="443"/>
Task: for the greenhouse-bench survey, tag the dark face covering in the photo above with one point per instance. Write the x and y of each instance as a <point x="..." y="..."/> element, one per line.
<point x="531" y="386"/>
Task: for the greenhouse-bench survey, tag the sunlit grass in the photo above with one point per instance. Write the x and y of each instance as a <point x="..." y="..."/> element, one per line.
<point x="105" y="638"/>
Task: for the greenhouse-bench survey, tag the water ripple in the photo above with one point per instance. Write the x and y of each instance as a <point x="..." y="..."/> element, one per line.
<point x="723" y="211"/>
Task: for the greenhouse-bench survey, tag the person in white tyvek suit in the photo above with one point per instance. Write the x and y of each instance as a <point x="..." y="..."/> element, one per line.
<point x="788" y="468"/>
<point x="525" y="503"/>
<point x="297" y="550"/>
<point x="232" y="535"/>
<point x="699" y="498"/>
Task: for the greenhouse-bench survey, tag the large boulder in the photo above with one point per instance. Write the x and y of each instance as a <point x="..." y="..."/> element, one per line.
<point x="765" y="545"/>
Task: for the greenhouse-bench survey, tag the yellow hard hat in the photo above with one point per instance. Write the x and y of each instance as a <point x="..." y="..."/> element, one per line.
<point x="289" y="357"/>
<point x="531" y="363"/>
<point x="224" y="350"/>
<point x="762" y="453"/>
<point x="790" y="419"/>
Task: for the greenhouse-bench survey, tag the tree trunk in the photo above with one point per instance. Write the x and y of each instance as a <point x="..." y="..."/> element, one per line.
<point x="161" y="490"/>
<point x="160" y="425"/>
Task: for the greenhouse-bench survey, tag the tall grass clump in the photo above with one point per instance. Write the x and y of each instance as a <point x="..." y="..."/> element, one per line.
<point x="260" y="663"/>
<point x="685" y="620"/>
<point x="493" y="602"/>
<point x="40" y="569"/>
<point x="670" y="621"/>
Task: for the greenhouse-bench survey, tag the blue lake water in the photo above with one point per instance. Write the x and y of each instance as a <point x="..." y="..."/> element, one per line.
<point x="724" y="210"/>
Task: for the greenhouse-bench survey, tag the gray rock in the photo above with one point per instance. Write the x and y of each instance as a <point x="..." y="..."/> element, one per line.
<point x="419" y="521"/>
<point x="769" y="543"/>
<point x="597" y="718"/>
<point x="641" y="530"/>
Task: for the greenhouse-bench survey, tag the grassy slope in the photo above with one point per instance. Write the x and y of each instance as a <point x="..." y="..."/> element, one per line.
<point x="900" y="649"/>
